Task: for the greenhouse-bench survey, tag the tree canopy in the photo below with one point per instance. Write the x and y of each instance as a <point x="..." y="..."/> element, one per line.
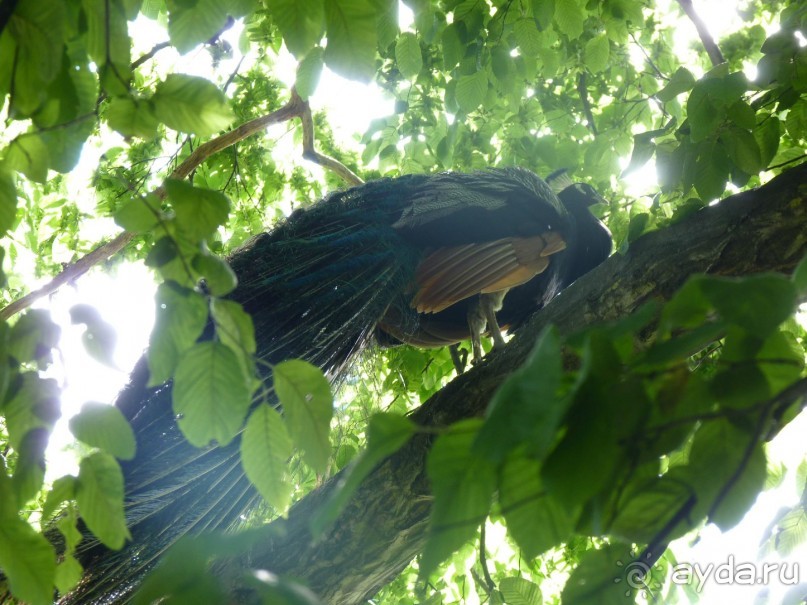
<point x="630" y="412"/>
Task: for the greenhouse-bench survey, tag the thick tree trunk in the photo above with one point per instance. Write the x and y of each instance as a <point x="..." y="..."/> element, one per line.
<point x="384" y="526"/>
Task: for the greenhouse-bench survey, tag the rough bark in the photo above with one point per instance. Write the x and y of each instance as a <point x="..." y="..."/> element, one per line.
<point x="385" y="524"/>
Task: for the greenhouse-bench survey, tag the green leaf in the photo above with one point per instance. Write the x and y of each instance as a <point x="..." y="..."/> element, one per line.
<point x="139" y="214"/>
<point x="191" y="104"/>
<point x="796" y="121"/>
<point x="301" y="23"/>
<point x="220" y="279"/>
<point x="791" y="531"/>
<point x="757" y="303"/>
<point x="535" y="520"/>
<point x="33" y="336"/>
<point x="681" y="81"/>
<point x="453" y="48"/>
<point x="27" y="560"/>
<point x="597" y="53"/>
<point x="99" y="338"/>
<point x="581" y="463"/>
<point x="649" y="509"/>
<point x="528" y="407"/>
<point x="637" y="226"/>
<point x="569" y="17"/>
<point x="471" y="90"/>
<point x="199" y="212"/>
<point x="234" y="326"/>
<point x="192" y="24"/>
<point x="68" y="574"/>
<point x="726" y="463"/>
<point x="711" y="170"/>
<point x="210" y="395"/>
<point x="8" y="201"/>
<point x="132" y="117"/>
<point x="408" y="56"/>
<point x="108" y="44"/>
<point x="99" y="494"/>
<point x="34" y="405"/>
<point x="386" y="434"/>
<point x="63" y="489"/>
<point x="702" y="113"/>
<point x="463" y="485"/>
<point x="799" y="278"/>
<point x="38" y="29"/>
<point x="265" y="450"/>
<point x="767" y="135"/>
<point x="543" y="11"/>
<point x="307" y="401"/>
<point x="527" y="36"/>
<point x="162" y="253"/>
<point x="742" y="115"/>
<point x="181" y="316"/>
<point x="104" y="426"/>
<point x="604" y="576"/>
<point x="28" y="154"/>
<point x="308" y="73"/>
<point x="68" y="527"/>
<point x="743" y="150"/>
<point x="781" y="360"/>
<point x="183" y="575"/>
<point x="29" y="472"/>
<point x="518" y="591"/>
<point x="352" y="37"/>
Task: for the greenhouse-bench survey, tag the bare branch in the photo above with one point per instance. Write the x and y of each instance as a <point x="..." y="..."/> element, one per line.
<point x="709" y="44"/>
<point x="312" y="155"/>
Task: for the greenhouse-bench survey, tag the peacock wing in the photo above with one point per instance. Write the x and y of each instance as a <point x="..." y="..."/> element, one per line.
<point x="450" y="274"/>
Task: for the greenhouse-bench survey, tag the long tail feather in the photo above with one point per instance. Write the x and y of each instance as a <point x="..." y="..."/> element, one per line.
<point x="316" y="287"/>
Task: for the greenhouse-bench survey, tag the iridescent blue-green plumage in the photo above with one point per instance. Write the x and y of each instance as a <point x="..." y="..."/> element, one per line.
<point x="321" y="286"/>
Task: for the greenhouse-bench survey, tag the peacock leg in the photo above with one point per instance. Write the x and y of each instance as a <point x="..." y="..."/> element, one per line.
<point x="477" y="324"/>
<point x="491" y="303"/>
<point x="482" y="317"/>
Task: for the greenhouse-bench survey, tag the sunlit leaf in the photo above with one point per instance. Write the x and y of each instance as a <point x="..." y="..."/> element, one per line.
<point x="104" y="426"/>
<point x="210" y="395"/>
<point x="265" y="450"/>
<point x="99" y="494"/>
<point x="307" y="401"/>
<point x="191" y="104"/>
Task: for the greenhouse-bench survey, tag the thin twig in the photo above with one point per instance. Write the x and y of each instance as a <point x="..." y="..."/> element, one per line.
<point x="709" y="44"/>
<point x="154" y="50"/>
<point x="295" y="108"/>
<point x="583" y="92"/>
<point x="483" y="559"/>
<point x="660" y="75"/>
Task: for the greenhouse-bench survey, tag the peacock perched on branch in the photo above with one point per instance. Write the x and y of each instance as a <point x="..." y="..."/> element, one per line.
<point x="427" y="260"/>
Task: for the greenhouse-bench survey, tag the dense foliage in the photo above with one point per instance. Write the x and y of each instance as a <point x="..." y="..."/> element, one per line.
<point x="610" y="441"/>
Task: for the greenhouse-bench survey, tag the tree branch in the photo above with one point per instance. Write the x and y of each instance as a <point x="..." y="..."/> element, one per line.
<point x="384" y="526"/>
<point x="295" y="108"/>
<point x="709" y="44"/>
<point x="583" y="92"/>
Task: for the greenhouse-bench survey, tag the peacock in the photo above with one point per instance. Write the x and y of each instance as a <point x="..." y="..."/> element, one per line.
<point x="426" y="260"/>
